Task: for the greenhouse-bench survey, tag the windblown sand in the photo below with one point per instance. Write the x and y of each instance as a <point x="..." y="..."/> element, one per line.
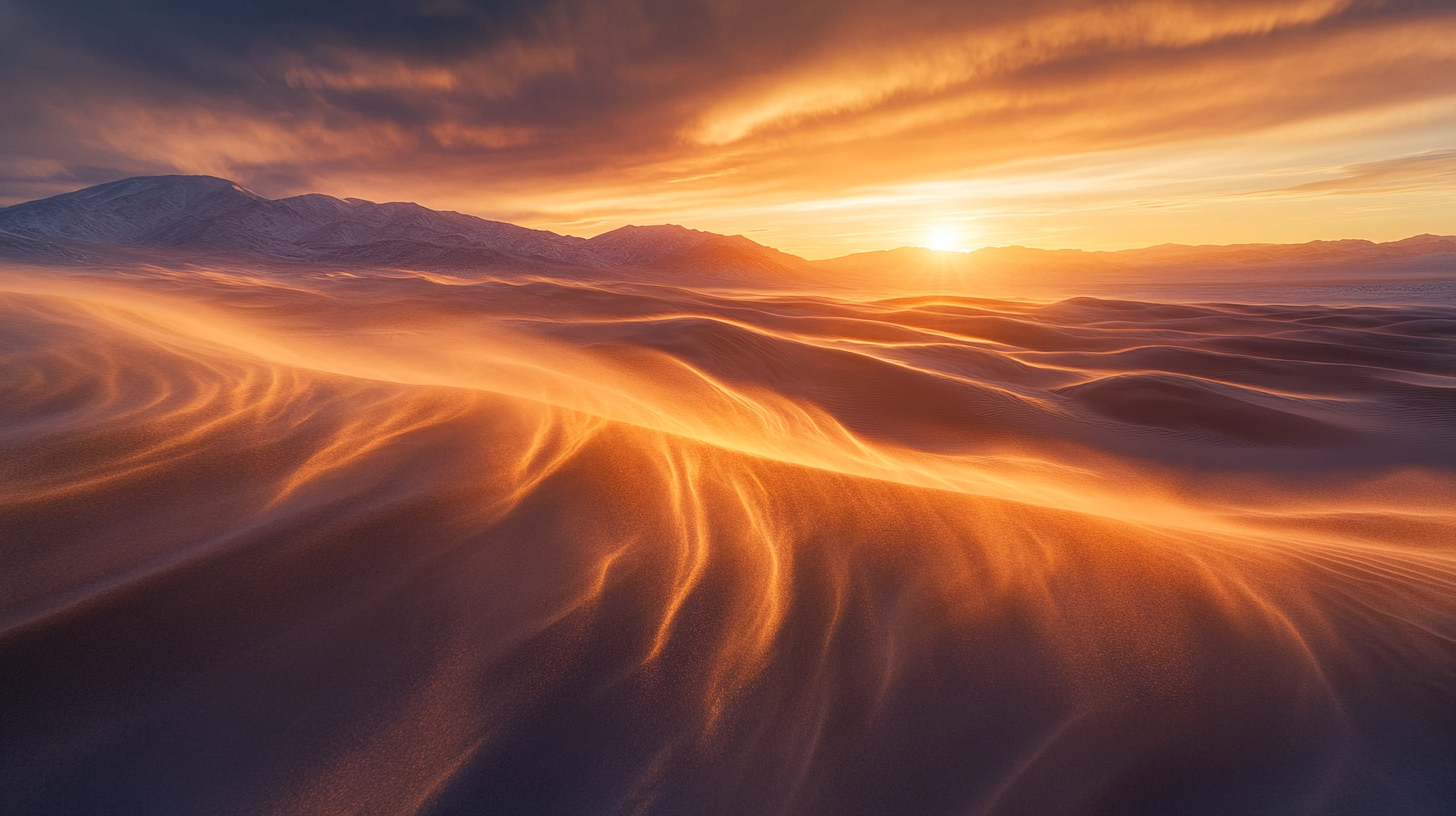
<point x="321" y="543"/>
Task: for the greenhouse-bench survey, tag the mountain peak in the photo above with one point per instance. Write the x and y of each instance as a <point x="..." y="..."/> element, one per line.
<point x="634" y="244"/>
<point x="122" y="212"/>
<point x="214" y="215"/>
<point x="183" y="187"/>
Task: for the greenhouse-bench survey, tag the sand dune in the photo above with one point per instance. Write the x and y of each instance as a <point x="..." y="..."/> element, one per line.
<point x="292" y="540"/>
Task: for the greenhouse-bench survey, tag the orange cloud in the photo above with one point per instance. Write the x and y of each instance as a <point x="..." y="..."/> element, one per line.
<point x="832" y="126"/>
<point x="871" y="75"/>
<point x="1430" y="171"/>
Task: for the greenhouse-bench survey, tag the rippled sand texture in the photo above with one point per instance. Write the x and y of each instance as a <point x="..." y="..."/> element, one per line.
<point x="334" y="544"/>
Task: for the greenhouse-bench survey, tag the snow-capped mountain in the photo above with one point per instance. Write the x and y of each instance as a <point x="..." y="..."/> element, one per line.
<point x="211" y="215"/>
<point x="206" y="213"/>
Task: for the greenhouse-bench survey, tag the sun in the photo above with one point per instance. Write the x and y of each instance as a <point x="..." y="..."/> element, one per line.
<point x="943" y="238"/>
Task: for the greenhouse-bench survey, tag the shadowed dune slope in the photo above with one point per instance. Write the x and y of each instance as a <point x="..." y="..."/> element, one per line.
<point x="321" y="543"/>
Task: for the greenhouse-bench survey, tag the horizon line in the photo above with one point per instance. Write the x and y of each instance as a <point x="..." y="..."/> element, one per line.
<point x="919" y="247"/>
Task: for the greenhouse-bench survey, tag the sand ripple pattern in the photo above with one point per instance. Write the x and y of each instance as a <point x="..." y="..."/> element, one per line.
<point x="323" y="543"/>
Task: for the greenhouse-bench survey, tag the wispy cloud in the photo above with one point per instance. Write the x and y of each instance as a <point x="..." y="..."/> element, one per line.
<point x="612" y="110"/>
<point x="1433" y="170"/>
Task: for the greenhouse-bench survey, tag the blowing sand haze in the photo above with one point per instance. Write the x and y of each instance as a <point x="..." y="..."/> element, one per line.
<point x="866" y="447"/>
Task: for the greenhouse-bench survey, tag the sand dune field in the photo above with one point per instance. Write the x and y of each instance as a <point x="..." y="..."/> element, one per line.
<point x="310" y="541"/>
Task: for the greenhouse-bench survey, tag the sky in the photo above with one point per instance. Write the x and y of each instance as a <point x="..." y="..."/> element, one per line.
<point x="821" y="127"/>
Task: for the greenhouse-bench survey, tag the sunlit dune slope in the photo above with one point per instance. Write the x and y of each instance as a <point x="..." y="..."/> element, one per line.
<point x="396" y="544"/>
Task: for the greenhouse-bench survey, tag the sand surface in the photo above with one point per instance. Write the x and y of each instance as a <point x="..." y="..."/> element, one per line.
<point x="313" y="542"/>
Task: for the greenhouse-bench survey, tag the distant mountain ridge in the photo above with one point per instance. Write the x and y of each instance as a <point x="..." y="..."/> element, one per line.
<point x="1015" y="270"/>
<point x="203" y="216"/>
<point x="208" y="214"/>
<point x="1349" y="249"/>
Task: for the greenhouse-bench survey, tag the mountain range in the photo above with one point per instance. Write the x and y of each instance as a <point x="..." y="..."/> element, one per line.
<point x="204" y="216"/>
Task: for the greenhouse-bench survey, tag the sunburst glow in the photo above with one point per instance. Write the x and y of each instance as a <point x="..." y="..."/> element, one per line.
<point x="943" y="238"/>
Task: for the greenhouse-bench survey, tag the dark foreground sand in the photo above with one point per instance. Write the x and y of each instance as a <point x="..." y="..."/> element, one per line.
<point x="312" y="543"/>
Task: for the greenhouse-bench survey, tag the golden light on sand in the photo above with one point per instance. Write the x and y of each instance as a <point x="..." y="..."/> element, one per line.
<point x="947" y="406"/>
